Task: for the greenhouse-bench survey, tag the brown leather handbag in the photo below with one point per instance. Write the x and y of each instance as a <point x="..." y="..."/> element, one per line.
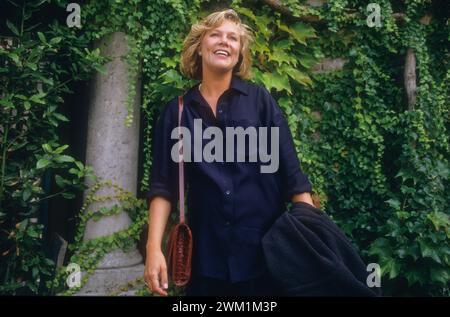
<point x="179" y="243"/>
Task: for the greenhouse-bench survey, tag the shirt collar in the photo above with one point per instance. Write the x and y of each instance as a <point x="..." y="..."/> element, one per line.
<point x="236" y="84"/>
<point x="239" y="84"/>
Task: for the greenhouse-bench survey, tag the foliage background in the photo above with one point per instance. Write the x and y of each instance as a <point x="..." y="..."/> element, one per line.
<point x="379" y="166"/>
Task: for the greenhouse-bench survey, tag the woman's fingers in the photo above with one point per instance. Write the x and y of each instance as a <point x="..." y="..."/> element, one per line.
<point x="156" y="287"/>
<point x="156" y="273"/>
<point x="147" y="281"/>
<point x="165" y="283"/>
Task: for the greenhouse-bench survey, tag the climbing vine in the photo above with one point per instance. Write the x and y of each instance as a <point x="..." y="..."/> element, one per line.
<point x="38" y="63"/>
<point x="87" y="254"/>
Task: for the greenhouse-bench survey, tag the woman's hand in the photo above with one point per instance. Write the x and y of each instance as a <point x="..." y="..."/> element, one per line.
<point x="304" y="197"/>
<point x="155" y="274"/>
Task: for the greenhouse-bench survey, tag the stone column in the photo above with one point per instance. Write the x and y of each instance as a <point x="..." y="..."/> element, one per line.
<point x="112" y="151"/>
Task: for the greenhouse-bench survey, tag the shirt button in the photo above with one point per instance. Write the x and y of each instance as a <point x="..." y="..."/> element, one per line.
<point x="228" y="223"/>
<point x="220" y="111"/>
<point x="227" y="192"/>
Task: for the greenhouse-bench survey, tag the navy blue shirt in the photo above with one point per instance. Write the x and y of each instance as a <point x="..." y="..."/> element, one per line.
<point x="230" y="205"/>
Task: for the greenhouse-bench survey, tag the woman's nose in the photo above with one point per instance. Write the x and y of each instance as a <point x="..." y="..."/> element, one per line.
<point x="224" y="40"/>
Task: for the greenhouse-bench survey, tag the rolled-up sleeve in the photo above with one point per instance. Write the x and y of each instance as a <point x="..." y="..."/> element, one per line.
<point x="164" y="171"/>
<point x="294" y="181"/>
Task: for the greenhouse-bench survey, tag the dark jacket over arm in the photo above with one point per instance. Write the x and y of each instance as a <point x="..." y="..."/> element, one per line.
<point x="308" y="255"/>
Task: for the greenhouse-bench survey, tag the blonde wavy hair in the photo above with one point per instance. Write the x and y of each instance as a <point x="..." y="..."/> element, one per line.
<point x="191" y="62"/>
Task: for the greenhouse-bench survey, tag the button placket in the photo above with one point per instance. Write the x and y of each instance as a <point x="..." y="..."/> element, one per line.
<point x="228" y="204"/>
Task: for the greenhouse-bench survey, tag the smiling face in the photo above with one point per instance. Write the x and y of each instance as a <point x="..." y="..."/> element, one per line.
<point x="220" y="48"/>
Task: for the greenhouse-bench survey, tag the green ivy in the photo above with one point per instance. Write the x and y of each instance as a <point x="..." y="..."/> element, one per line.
<point x="88" y="254"/>
<point x="37" y="65"/>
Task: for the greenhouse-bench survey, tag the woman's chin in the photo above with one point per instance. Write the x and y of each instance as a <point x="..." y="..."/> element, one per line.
<point x="221" y="68"/>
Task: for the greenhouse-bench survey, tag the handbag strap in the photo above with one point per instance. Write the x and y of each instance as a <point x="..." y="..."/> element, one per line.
<point x="180" y="161"/>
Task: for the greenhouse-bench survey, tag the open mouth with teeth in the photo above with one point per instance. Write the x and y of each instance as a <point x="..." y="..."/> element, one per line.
<point x="221" y="53"/>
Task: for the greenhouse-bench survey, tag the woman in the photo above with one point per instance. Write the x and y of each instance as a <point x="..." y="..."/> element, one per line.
<point x="230" y="204"/>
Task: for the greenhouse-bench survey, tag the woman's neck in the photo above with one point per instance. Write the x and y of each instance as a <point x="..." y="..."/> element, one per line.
<point x="213" y="85"/>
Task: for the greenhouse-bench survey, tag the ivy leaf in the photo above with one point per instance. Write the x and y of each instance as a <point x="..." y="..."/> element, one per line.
<point x="60" y="181"/>
<point x="42" y="37"/>
<point x="7" y="103"/>
<point x="60" y="149"/>
<point x="302" y="31"/>
<point x="101" y="69"/>
<point x="42" y="163"/>
<point x="263" y="22"/>
<point x="97" y="216"/>
<point x="26" y="194"/>
<point x="79" y="165"/>
<point x="33" y="287"/>
<point x="278" y="81"/>
<point x="280" y="53"/>
<point x="49" y="261"/>
<point x="37" y="4"/>
<point x="34" y="234"/>
<point x="381" y="248"/>
<point x="48" y="81"/>
<point x="440" y="219"/>
<point x="19" y="96"/>
<point x="34" y="55"/>
<point x="260" y="45"/>
<point x="429" y="251"/>
<point x="23" y="224"/>
<point x="52" y="108"/>
<point x="12" y="27"/>
<point x="306" y="61"/>
<point x="37" y="98"/>
<point x="64" y="159"/>
<point x="47" y="148"/>
<point x="169" y="62"/>
<point x="32" y="66"/>
<point x="443" y="169"/>
<point x="14" y="57"/>
<point x="61" y="117"/>
<point x="394" y="203"/>
<point x="299" y="31"/>
<point x="55" y="40"/>
<point x="440" y="274"/>
<point x="299" y="77"/>
<point x="246" y="12"/>
<point x="413" y="251"/>
<point x="286" y="104"/>
<point x="414" y="277"/>
<point x="257" y="75"/>
<point x="392" y="267"/>
<point x="171" y="76"/>
<point x="34" y="270"/>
